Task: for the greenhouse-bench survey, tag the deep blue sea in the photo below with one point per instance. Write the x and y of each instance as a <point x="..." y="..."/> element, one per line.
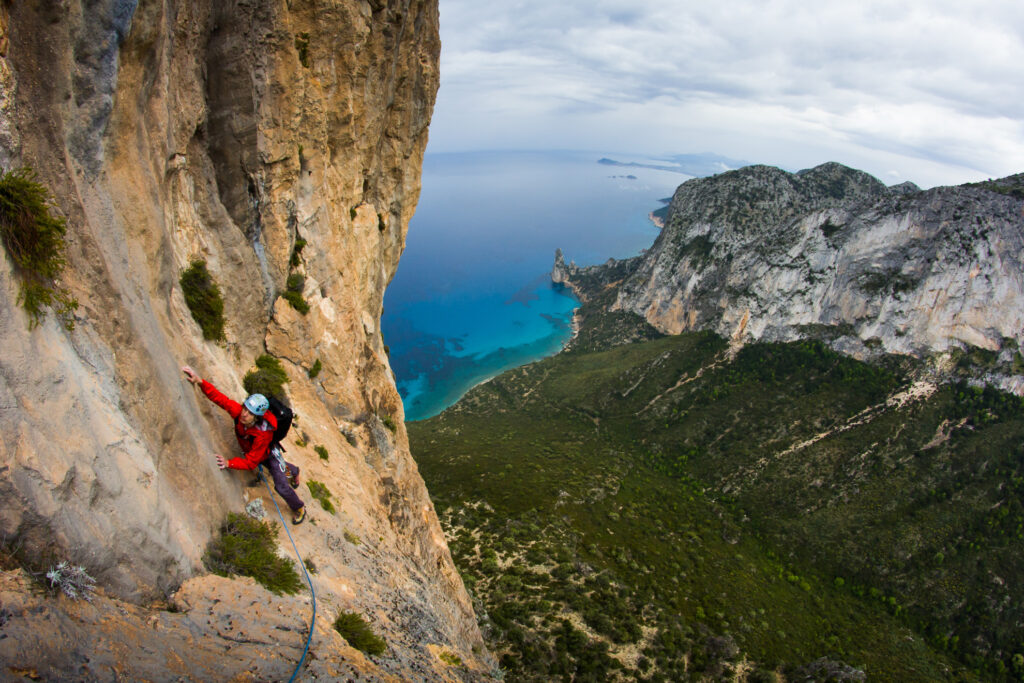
<point x="472" y="296"/>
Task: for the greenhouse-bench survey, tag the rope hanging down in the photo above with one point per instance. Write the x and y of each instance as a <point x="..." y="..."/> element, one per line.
<point x="312" y="622"/>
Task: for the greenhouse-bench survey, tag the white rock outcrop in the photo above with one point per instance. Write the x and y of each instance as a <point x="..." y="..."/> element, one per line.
<point x="762" y="254"/>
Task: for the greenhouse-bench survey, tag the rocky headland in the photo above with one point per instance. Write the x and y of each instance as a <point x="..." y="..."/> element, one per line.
<point x="832" y="253"/>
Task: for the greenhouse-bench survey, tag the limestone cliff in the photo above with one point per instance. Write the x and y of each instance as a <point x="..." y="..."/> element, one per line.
<point x="833" y="253"/>
<point x="169" y="131"/>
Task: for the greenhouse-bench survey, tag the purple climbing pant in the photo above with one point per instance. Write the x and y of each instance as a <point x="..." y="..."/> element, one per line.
<point x="275" y="465"/>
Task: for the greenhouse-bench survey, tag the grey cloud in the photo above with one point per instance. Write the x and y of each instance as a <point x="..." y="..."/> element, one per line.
<point x="917" y="79"/>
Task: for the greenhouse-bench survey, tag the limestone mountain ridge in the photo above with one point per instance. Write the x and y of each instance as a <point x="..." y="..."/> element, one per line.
<point x="269" y="140"/>
<point x="832" y="253"/>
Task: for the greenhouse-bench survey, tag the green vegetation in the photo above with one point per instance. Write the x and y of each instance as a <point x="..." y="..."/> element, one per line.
<point x="310" y="566"/>
<point x="450" y="658"/>
<point x="293" y="293"/>
<point x="704" y="508"/>
<point x="268" y="378"/>
<point x="204" y="300"/>
<point x="389" y="422"/>
<point x="352" y="538"/>
<point x="300" y="243"/>
<point x="320" y="492"/>
<point x="322" y="452"/>
<point x="34" y="239"/>
<point x="248" y="547"/>
<point x="1012" y="186"/>
<point x="357" y="632"/>
<point x="315" y="370"/>
<point x="381" y="225"/>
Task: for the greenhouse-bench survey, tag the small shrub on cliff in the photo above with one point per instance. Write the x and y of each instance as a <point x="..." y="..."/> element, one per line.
<point x="34" y="239"/>
<point x="248" y="547"/>
<point x="389" y="422"/>
<point x="204" y="300"/>
<point x="315" y="370"/>
<point x="357" y="632"/>
<point x="300" y="243"/>
<point x="268" y="378"/>
<point x="322" y="452"/>
<point x="72" y="581"/>
<point x="293" y="294"/>
<point x="450" y="658"/>
<point x="320" y="492"/>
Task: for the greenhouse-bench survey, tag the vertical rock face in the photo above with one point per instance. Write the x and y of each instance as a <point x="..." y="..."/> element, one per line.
<point x="831" y="252"/>
<point x="170" y="131"/>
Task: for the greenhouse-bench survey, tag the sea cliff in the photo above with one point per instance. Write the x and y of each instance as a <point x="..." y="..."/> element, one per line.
<point x="832" y="253"/>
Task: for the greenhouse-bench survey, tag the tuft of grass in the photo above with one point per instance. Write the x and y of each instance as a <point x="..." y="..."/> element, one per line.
<point x="248" y="547"/>
<point x="352" y="538"/>
<point x="204" y="300"/>
<point x="315" y="370"/>
<point x="357" y="632"/>
<point x="450" y="658"/>
<point x="268" y="378"/>
<point x="34" y="239"/>
<point x="310" y="566"/>
<point x="389" y="422"/>
<point x="321" y="493"/>
<point x="322" y="452"/>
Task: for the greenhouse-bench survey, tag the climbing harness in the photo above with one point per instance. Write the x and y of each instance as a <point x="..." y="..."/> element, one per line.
<point x="312" y="622"/>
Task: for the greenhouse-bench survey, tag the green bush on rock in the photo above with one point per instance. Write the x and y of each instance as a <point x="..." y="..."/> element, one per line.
<point x="293" y="294"/>
<point x="268" y="378"/>
<point x="204" y="300"/>
<point x="34" y="239"/>
<point x="357" y="632"/>
<point x="248" y="547"/>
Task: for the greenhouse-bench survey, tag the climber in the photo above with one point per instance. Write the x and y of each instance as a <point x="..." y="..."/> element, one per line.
<point x="254" y="429"/>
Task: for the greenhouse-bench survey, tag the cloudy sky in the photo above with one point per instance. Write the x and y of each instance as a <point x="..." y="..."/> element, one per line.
<point x="924" y="90"/>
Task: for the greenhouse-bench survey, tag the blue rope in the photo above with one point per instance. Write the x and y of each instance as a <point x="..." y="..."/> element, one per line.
<point x="259" y="473"/>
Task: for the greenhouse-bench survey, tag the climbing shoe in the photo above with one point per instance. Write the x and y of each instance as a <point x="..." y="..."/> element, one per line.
<point x="293" y="479"/>
<point x="299" y="515"/>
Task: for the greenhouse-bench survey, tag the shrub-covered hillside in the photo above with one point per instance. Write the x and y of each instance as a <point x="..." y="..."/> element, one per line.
<point x="671" y="509"/>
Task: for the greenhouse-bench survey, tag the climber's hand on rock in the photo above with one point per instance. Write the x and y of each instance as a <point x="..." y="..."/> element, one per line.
<point x="191" y="375"/>
<point x="221" y="462"/>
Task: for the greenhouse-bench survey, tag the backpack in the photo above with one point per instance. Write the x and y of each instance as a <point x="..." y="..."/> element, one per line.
<point x="284" y="417"/>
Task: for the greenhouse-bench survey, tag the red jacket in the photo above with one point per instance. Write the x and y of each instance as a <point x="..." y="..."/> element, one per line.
<point x="255" y="440"/>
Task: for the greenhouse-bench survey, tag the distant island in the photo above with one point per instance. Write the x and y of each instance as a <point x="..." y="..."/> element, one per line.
<point x="697" y="165"/>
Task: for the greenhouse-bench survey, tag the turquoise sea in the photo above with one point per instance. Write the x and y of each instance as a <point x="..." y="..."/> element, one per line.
<point x="472" y="296"/>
